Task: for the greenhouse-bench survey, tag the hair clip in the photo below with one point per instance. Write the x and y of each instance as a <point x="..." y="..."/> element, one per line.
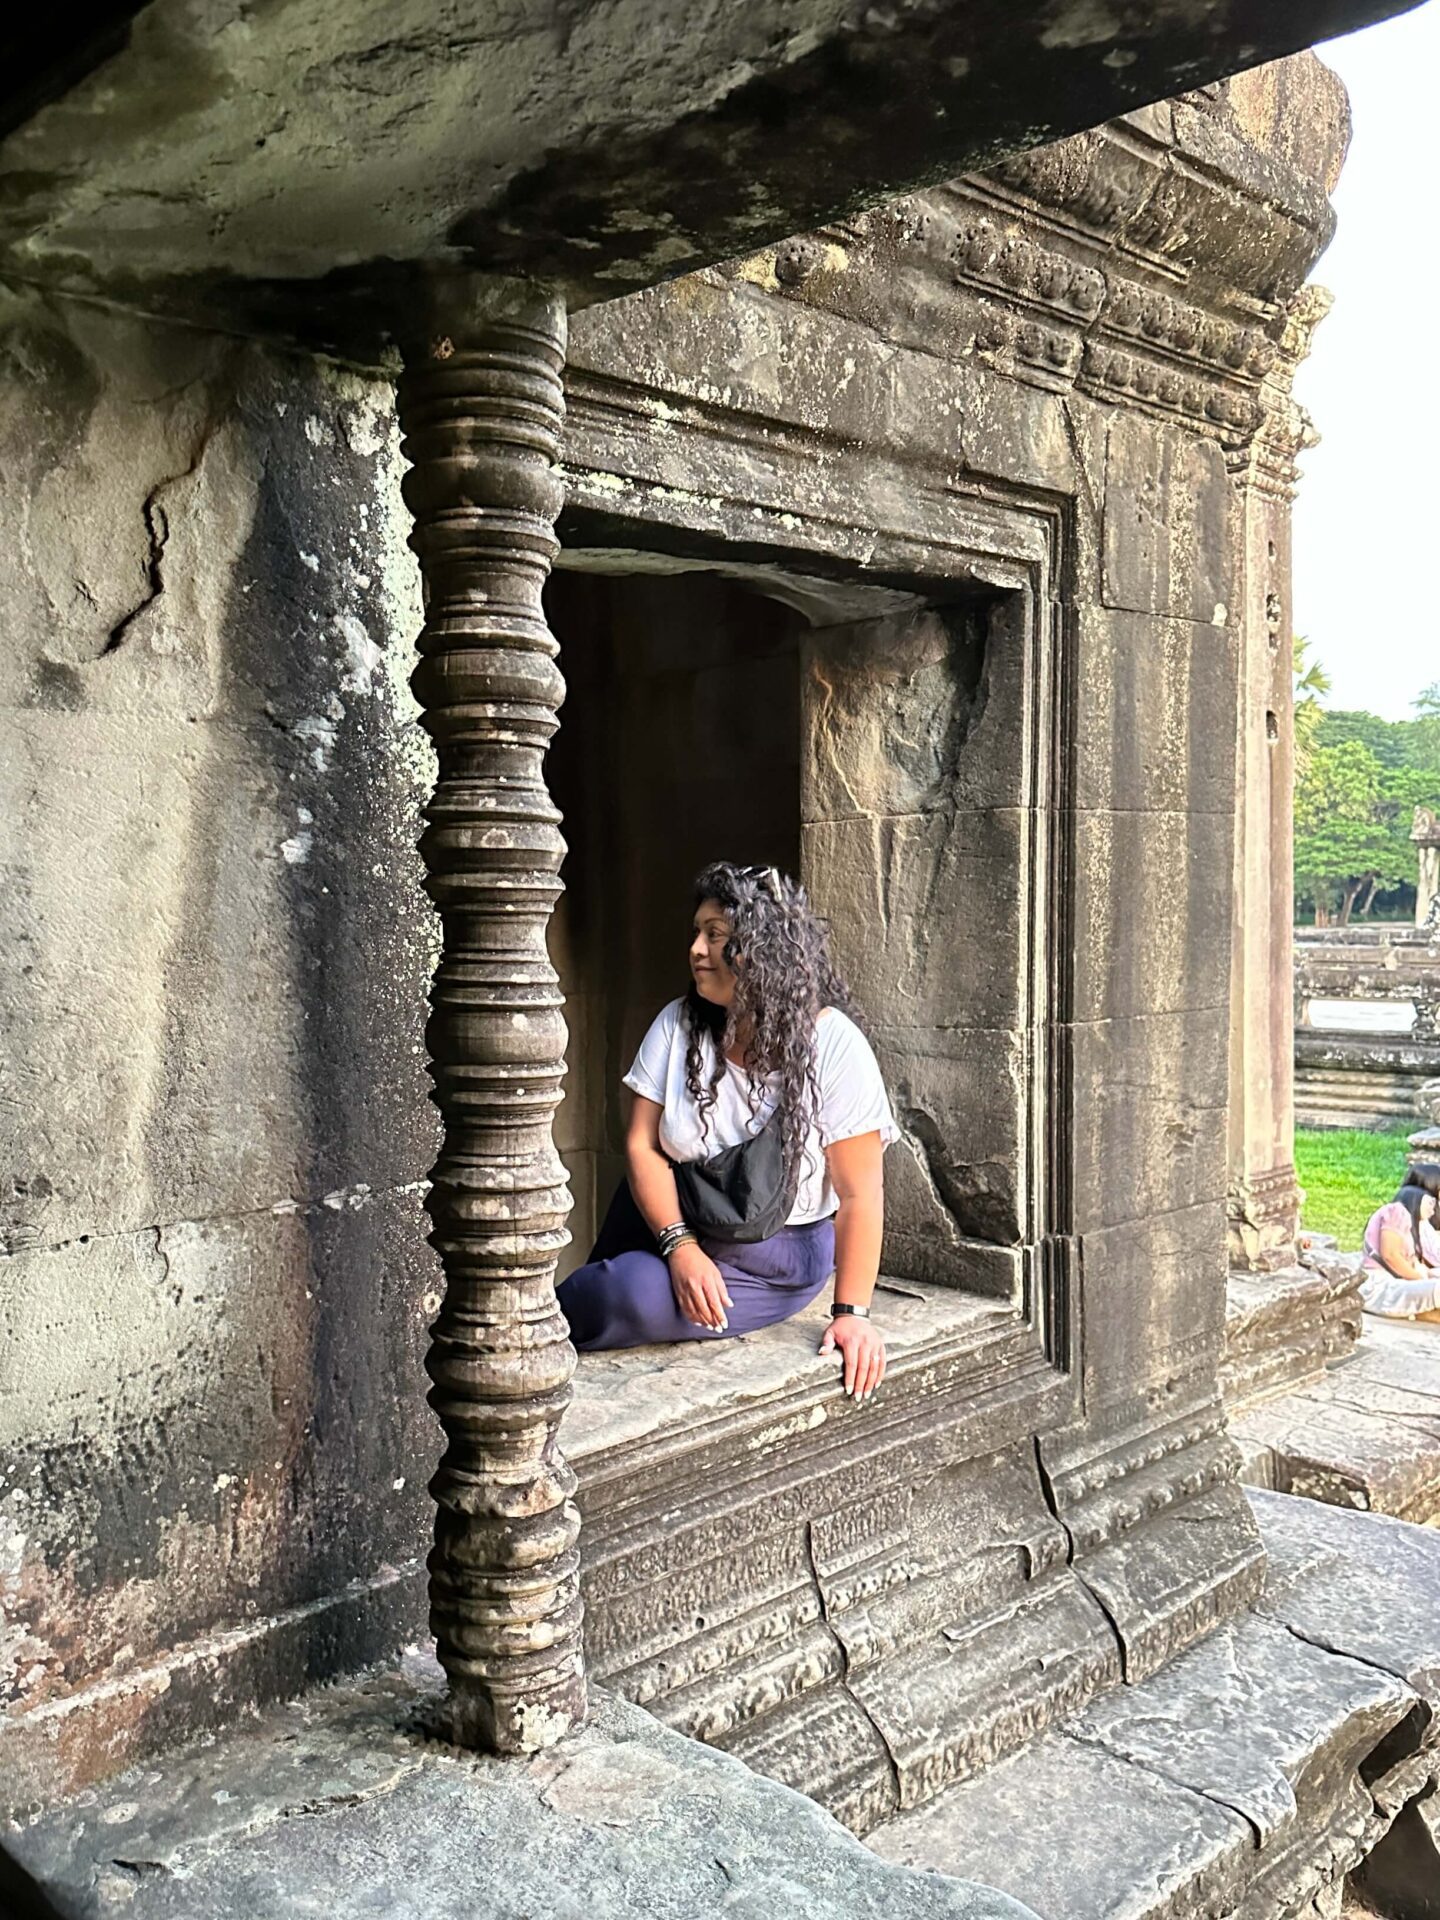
<point x="766" y="877"/>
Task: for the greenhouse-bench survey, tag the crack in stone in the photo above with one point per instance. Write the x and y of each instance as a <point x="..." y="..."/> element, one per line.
<point x="850" y="1692"/>
<point x="1340" y="1653"/>
<point x="1098" y="1744"/>
<point x="157" y="529"/>
<point x="1047" y="1492"/>
<point x="288" y="1204"/>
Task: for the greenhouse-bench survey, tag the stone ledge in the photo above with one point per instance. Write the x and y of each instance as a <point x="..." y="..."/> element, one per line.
<point x="641" y="1395"/>
<point x="339" y="1804"/>
<point x="1249" y="1776"/>
<point x="1287" y="1327"/>
<point x="1366" y="1434"/>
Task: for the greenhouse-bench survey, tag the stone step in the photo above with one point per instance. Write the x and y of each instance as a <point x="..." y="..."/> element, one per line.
<point x="1366" y="1434"/>
<point x="1285" y="1328"/>
<point x="1249" y="1776"/>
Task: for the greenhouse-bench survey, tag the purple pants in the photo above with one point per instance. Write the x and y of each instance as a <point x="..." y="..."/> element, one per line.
<point x="622" y="1297"/>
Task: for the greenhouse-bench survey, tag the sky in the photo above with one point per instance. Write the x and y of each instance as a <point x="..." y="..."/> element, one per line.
<point x="1367" y="521"/>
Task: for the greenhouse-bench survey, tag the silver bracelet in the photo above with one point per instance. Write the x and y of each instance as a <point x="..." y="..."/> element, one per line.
<point x="843" y="1306"/>
<point x="671" y="1237"/>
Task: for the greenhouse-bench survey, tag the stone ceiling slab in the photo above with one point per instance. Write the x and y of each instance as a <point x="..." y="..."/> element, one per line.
<point x="293" y="167"/>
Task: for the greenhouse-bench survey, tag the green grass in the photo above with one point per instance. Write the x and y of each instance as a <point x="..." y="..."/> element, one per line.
<point x="1346" y="1176"/>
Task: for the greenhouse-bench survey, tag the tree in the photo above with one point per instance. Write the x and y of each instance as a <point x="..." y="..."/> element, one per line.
<point x="1352" y="826"/>
<point x="1340" y="842"/>
<point x="1387" y="739"/>
<point x="1425" y="728"/>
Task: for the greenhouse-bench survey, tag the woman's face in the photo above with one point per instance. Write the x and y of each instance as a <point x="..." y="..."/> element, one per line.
<point x="714" y="979"/>
<point x="1427" y="1207"/>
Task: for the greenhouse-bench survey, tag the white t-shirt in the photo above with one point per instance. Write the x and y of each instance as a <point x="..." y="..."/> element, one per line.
<point x="852" y="1100"/>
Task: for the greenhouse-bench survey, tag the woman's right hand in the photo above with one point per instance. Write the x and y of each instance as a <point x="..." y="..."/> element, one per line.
<point x="699" y="1287"/>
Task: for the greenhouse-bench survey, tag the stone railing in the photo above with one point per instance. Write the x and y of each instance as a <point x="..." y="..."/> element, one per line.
<point x="1367" y="1024"/>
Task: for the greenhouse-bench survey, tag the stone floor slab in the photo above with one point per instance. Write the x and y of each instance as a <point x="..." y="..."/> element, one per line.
<point x="1079" y="1834"/>
<point x="339" y="1805"/>
<point x="1249" y="1717"/>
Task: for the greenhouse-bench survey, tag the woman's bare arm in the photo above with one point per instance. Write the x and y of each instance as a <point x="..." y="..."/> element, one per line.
<point x="857" y="1174"/>
<point x="1397" y="1250"/>
<point x="651" y="1179"/>
<point x="698" y="1283"/>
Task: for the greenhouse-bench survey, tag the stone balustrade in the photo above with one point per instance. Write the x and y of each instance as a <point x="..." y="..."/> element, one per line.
<point x="1367" y="1024"/>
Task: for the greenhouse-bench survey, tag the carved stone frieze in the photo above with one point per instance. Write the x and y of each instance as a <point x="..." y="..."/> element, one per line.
<point x="1115" y="374"/>
<point x="984" y="251"/>
<point x="1156" y="320"/>
<point x="481" y="403"/>
<point x="1043" y="302"/>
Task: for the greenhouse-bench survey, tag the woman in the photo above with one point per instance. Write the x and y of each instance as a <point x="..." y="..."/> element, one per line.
<point x="763" y="1041"/>
<point x="1426" y="1174"/>
<point x="1399" y="1283"/>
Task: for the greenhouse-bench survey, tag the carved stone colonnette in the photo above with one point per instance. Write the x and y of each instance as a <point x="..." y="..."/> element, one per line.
<point x="481" y="404"/>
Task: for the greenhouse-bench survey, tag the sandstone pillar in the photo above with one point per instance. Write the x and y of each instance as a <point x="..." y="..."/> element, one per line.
<point x="1264" y="1198"/>
<point x="481" y="403"/>
<point x="1426" y="835"/>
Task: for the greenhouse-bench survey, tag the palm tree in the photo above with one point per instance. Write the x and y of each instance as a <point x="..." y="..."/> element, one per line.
<point x="1312" y="685"/>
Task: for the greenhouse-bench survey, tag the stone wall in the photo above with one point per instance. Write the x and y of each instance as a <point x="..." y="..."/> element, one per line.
<point x="214" y="1283"/>
<point x="1367" y="1025"/>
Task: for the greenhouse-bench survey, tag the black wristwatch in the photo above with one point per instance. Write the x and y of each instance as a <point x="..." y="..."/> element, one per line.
<point x="843" y="1306"/>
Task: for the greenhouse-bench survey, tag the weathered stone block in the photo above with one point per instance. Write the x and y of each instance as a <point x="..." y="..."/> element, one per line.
<point x="1167" y="515"/>
<point x="1159" y="714"/>
<point x="912" y="715"/>
<point x="959" y="1174"/>
<point x="1149" y="1125"/>
<point x="1152" y="913"/>
<point x="146" y="1514"/>
<point x="1151" y="1292"/>
<point x="928" y="909"/>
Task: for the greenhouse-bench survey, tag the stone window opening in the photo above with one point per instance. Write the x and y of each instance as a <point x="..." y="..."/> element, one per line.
<point x="709" y="715"/>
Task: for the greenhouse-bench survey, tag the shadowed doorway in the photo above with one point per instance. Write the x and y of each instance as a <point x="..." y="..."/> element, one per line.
<point x="679" y="744"/>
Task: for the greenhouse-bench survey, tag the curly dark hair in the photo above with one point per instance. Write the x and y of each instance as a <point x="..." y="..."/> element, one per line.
<point x="783" y="982"/>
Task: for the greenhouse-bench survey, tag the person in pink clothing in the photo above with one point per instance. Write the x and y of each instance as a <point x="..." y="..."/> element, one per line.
<point x="1427" y="1175"/>
<point x="1400" y="1283"/>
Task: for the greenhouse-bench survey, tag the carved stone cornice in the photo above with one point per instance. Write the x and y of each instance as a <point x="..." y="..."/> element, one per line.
<point x="1153" y="263"/>
<point x="1284" y="430"/>
<point x="1184" y="187"/>
<point x="966" y="275"/>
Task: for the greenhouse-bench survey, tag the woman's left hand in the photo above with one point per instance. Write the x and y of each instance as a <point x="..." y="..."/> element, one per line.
<point x="862" y="1347"/>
